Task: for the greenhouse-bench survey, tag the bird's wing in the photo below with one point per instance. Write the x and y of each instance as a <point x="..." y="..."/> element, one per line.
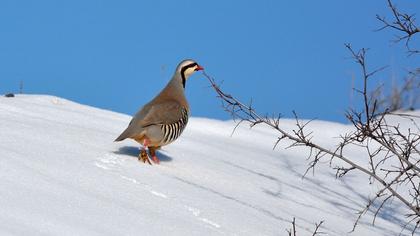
<point x="166" y="112"/>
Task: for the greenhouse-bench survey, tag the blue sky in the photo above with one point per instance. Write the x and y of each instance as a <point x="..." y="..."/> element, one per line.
<point x="285" y="55"/>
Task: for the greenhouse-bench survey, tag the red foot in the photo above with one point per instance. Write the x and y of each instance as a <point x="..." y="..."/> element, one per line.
<point x="156" y="160"/>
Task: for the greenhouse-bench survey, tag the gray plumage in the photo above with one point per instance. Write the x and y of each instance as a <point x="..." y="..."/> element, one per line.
<point x="162" y="120"/>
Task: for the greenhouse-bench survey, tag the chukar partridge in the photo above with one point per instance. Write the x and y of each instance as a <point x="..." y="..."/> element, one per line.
<point x="162" y="120"/>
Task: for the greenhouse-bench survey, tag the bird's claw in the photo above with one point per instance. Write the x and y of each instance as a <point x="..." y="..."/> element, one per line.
<point x="144" y="157"/>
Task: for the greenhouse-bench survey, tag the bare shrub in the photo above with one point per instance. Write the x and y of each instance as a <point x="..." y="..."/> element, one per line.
<point x="392" y="154"/>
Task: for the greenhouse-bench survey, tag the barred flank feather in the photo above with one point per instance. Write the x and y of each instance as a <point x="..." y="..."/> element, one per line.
<point x="172" y="131"/>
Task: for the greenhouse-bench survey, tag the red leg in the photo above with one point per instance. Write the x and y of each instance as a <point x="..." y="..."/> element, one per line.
<point x="146" y="142"/>
<point x="152" y="151"/>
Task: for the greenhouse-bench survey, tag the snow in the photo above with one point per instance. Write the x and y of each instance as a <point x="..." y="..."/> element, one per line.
<point x="62" y="174"/>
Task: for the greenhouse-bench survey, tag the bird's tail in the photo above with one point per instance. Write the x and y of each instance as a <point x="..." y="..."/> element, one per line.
<point x="122" y="136"/>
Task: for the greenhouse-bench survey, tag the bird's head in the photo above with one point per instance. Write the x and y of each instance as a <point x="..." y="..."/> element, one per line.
<point x="187" y="68"/>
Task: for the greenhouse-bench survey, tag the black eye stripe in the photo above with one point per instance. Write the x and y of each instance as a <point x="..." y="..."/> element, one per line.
<point x="188" y="66"/>
<point x="183" y="72"/>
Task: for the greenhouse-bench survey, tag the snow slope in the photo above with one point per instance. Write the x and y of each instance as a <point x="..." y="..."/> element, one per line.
<point x="62" y="174"/>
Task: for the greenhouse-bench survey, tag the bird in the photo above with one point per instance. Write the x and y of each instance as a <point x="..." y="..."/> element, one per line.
<point x="162" y="120"/>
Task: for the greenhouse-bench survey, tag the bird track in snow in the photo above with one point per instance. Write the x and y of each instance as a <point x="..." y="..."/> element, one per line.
<point x="109" y="162"/>
<point x="196" y="212"/>
<point x="147" y="187"/>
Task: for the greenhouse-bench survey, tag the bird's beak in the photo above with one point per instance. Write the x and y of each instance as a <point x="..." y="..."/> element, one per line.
<point x="199" y="68"/>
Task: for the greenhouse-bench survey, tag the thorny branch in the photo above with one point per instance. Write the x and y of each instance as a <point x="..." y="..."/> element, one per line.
<point x="403" y="23"/>
<point x="400" y="97"/>
<point x="373" y="127"/>
<point x="292" y="231"/>
<point x="392" y="153"/>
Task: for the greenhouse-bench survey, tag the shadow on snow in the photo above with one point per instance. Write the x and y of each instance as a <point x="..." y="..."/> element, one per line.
<point x="134" y="152"/>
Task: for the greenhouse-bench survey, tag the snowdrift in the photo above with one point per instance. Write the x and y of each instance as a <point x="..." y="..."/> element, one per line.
<point x="62" y="174"/>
